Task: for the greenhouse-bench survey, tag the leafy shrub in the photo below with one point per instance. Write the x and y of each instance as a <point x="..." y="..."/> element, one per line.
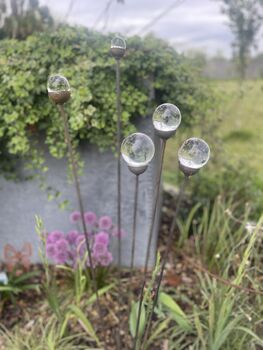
<point x="153" y="73"/>
<point x="238" y="184"/>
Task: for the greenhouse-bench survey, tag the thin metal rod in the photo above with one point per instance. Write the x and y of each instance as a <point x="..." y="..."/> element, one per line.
<point x="139" y="317"/>
<point x="135" y="205"/>
<point x="156" y="199"/>
<point x="165" y="259"/>
<point x="73" y="162"/>
<point x="118" y="107"/>
<point x="134" y="222"/>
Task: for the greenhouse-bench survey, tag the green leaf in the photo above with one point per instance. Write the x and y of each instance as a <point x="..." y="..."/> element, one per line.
<point x="84" y="322"/>
<point x="134" y="317"/>
<point x="176" y="312"/>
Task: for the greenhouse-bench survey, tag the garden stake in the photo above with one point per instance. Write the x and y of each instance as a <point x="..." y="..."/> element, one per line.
<point x="166" y="120"/>
<point x="118" y="48"/>
<point x="79" y="198"/>
<point x="138" y="318"/>
<point x="59" y="92"/>
<point x="137" y="150"/>
<point x="156" y="198"/>
<point x="192" y="155"/>
<point x="165" y="258"/>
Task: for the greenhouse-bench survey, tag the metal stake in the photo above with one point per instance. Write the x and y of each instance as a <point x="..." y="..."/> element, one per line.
<point x="79" y="198"/>
<point x="118" y="107"/>
<point x="134" y="221"/>
<point x="165" y="259"/>
<point x="156" y="198"/>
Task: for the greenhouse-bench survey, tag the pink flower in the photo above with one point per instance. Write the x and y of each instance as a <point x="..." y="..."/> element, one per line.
<point x="102" y="237"/>
<point x="75" y="216"/>
<point x="90" y="218"/>
<point x="72" y="236"/>
<point x="105" y="222"/>
<point x="99" y="249"/>
<point x="106" y="259"/>
<point x="55" y="236"/>
<point x="61" y="257"/>
<point x="62" y="245"/>
<point x="120" y="234"/>
<point x="51" y="250"/>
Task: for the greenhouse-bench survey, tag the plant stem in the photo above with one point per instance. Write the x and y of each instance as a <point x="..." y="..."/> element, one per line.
<point x="165" y="259"/>
<point x="73" y="162"/>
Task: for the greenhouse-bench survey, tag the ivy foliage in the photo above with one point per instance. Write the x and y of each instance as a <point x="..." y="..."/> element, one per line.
<point x="152" y="73"/>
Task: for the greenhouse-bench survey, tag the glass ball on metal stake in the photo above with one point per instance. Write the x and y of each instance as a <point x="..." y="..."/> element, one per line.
<point x="137" y="150"/>
<point x="118" y="47"/>
<point x="166" y="120"/>
<point x="59" y="92"/>
<point x="192" y="156"/>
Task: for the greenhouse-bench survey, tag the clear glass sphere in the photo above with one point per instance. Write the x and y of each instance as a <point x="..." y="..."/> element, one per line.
<point x="58" y="88"/>
<point x="194" y="153"/>
<point x="166" y="118"/>
<point x="137" y="150"/>
<point x="118" y="47"/>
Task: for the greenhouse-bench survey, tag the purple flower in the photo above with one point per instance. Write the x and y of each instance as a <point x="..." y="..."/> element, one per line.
<point x="75" y="216"/>
<point x="99" y="249"/>
<point x="120" y="233"/>
<point x="106" y="259"/>
<point x="61" y="257"/>
<point x="62" y="245"/>
<point x="105" y="222"/>
<point x="102" y="237"/>
<point x="51" y="250"/>
<point x="54" y="236"/>
<point x="90" y="218"/>
<point x="72" y="236"/>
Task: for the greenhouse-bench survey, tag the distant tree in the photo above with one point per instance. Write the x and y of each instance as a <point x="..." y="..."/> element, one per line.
<point x="245" y="20"/>
<point x="20" y="18"/>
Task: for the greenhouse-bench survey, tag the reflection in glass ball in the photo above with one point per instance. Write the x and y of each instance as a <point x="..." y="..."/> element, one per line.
<point x="194" y="153"/>
<point x="166" y="119"/>
<point x="137" y="150"/>
<point x="118" y="47"/>
<point x="58" y="89"/>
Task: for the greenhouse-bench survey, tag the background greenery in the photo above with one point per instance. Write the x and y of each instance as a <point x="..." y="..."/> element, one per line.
<point x="153" y="73"/>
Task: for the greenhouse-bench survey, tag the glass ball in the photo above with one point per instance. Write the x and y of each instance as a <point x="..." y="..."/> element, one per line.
<point x="166" y="119"/>
<point x="58" y="89"/>
<point x="194" y="153"/>
<point x="137" y="150"/>
<point x="118" y="47"/>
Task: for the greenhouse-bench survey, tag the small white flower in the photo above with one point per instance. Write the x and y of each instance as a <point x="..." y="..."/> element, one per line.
<point x="3" y="278"/>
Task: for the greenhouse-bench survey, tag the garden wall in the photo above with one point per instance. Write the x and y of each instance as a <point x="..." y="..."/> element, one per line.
<point x="21" y="201"/>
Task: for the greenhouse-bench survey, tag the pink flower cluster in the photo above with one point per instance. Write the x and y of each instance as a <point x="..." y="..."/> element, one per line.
<point x="71" y="248"/>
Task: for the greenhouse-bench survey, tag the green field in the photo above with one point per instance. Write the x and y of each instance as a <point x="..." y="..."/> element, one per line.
<point x="240" y="128"/>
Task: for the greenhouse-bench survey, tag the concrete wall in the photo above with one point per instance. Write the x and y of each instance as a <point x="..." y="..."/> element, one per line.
<point x="21" y="201"/>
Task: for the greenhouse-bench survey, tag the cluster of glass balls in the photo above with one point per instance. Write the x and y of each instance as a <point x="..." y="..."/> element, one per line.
<point x="138" y="149"/>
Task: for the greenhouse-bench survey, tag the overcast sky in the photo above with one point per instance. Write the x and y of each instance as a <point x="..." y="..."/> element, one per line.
<point x="187" y="24"/>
